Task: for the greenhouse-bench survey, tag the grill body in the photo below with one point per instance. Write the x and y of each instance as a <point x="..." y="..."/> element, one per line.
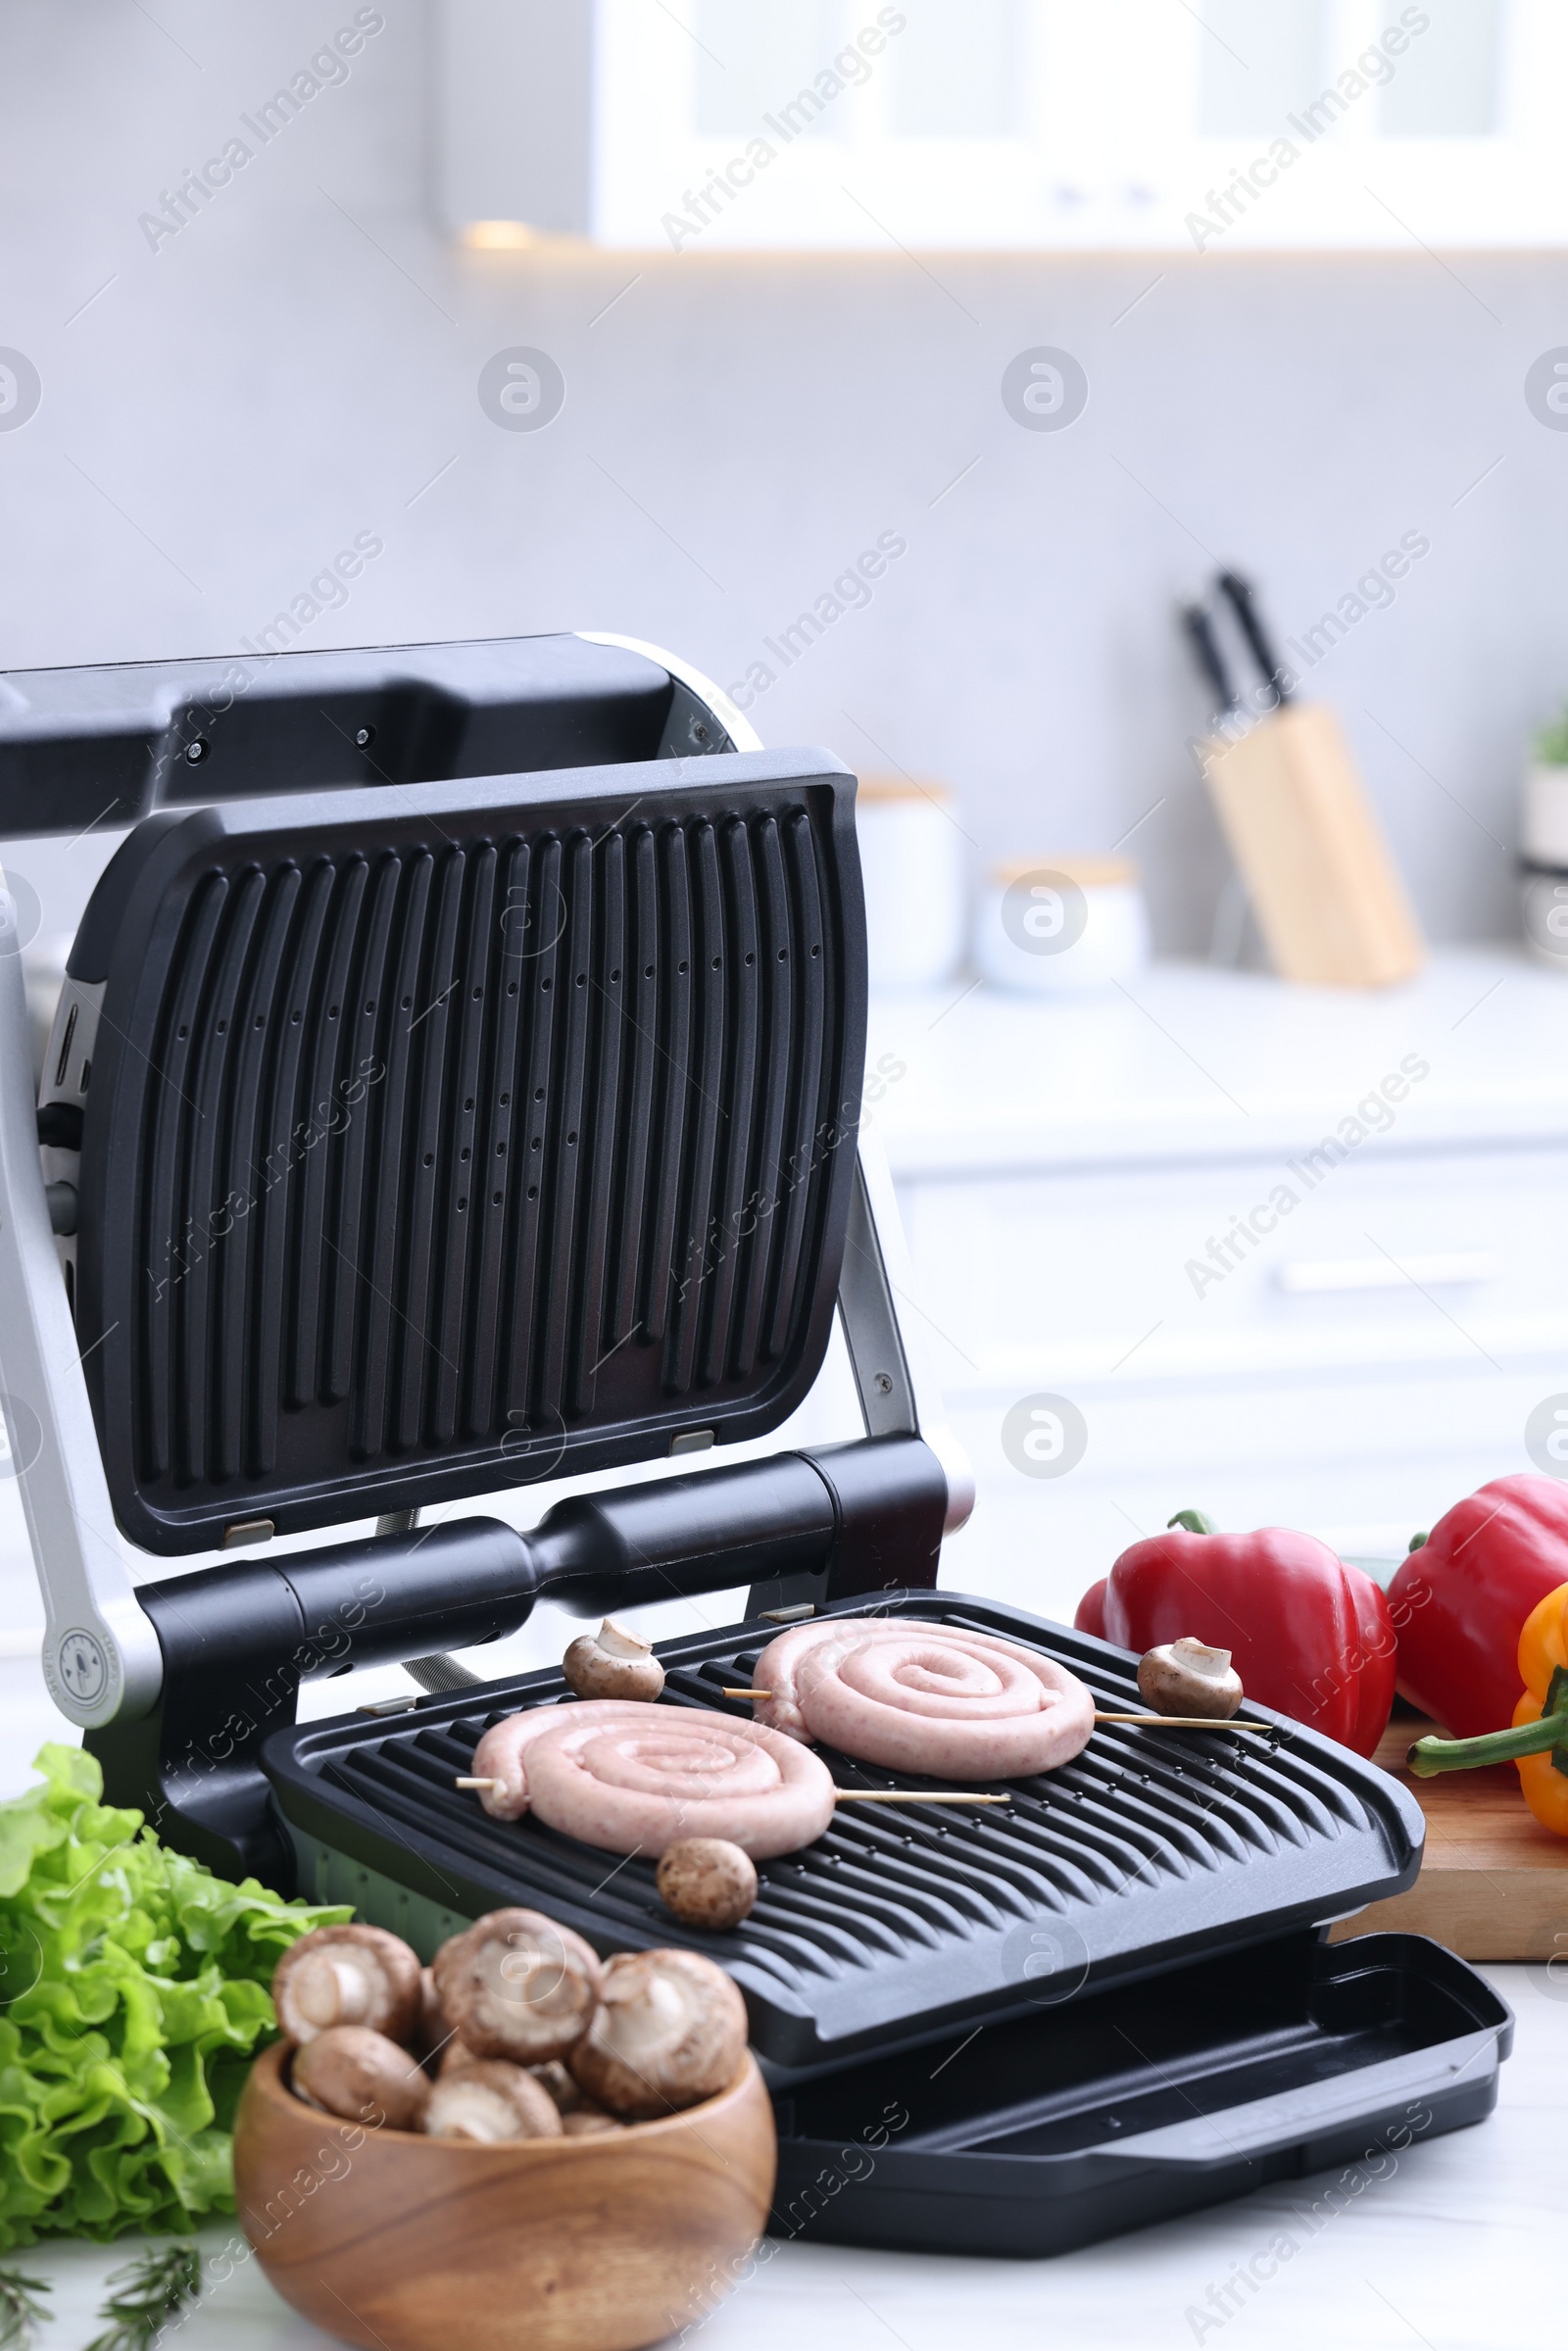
<point x="424" y="1137"/>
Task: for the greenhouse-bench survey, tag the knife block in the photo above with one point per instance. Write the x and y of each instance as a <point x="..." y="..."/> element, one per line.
<point x="1330" y="905"/>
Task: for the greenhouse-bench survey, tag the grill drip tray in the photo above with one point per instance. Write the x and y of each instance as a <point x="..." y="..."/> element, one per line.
<point x="1149" y="2099"/>
<point x="1151" y="1848"/>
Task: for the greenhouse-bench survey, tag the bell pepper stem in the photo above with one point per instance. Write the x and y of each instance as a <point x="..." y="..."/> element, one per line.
<point x="1429" y="1756"/>
<point x="1197" y="1522"/>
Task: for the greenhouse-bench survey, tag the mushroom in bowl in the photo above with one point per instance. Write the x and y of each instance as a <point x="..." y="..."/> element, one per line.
<point x="668" y="2032"/>
<point x="350" y="2071"/>
<point x="490" y="2100"/>
<point x="517" y="1986"/>
<point x="347" y="1975"/>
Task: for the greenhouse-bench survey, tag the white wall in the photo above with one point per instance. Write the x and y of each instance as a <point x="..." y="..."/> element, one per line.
<point x="301" y="361"/>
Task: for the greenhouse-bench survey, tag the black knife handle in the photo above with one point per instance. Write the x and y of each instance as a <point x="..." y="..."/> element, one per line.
<point x="1199" y="628"/>
<point x="1239" y="595"/>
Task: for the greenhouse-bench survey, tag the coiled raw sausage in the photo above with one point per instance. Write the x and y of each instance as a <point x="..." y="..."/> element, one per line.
<point x="923" y="1698"/>
<point x="635" y="1778"/>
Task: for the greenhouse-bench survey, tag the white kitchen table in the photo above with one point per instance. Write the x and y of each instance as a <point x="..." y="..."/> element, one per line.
<point x="1456" y="2244"/>
<point x="1023" y="1119"/>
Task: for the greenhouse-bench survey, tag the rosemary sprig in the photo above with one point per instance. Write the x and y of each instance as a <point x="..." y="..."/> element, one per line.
<point x="154" y="2290"/>
<point x="21" y="2313"/>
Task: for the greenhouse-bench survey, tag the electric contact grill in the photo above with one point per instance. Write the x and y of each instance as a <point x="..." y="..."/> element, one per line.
<point x="455" y="1087"/>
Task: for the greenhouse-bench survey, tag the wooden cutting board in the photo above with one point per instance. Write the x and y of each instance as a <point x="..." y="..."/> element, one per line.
<point x="1493" y="1883"/>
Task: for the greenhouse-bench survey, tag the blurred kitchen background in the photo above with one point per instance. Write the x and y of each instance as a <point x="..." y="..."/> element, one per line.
<point x="1051" y="311"/>
<point x="300" y="361"/>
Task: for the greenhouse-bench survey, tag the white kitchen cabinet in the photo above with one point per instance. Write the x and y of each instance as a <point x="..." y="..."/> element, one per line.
<point x="703" y="126"/>
<point x="1370" y="1353"/>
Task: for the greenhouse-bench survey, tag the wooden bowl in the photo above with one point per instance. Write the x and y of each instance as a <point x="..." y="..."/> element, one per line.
<point x="404" y="2243"/>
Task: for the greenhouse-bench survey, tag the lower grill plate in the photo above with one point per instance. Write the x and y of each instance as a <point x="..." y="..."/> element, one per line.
<point x="1151" y="1848"/>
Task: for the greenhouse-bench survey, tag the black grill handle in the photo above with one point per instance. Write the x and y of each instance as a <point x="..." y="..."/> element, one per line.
<point x="818" y="1526"/>
<point x="239" y="1639"/>
<point x="676" y="1537"/>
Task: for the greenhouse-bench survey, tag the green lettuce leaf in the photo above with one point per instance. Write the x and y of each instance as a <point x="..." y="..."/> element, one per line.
<point x="133" y="1992"/>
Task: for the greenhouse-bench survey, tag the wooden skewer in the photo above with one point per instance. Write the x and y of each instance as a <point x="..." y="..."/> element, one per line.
<point x="899" y="1795"/>
<point x="1153" y="1722"/>
<point x="913" y="1795"/>
<point x="854" y="1795"/>
<point x="1184" y="1721"/>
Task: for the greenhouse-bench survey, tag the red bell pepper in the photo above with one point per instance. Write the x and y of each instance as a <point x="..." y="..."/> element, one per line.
<point x="1308" y="1636"/>
<point x="1460" y="1601"/>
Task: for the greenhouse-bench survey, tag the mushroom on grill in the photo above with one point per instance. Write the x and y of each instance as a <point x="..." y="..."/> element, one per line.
<point x="706" y="1881"/>
<point x="1187" y="1677"/>
<point x="612" y="1663"/>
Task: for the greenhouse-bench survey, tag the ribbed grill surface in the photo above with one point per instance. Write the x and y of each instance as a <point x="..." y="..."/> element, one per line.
<point x="470" y="1144"/>
<point x="1146" y="1839"/>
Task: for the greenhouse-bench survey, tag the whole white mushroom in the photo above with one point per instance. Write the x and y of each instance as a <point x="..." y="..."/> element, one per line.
<point x="1188" y="1677"/>
<point x="668" y="2032"/>
<point x="612" y="1663"/>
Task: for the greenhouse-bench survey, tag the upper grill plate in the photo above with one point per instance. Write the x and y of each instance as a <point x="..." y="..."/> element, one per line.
<point x="463" y="1136"/>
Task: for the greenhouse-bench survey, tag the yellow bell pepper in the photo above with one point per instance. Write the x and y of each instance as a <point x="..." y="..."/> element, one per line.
<point x="1537" y="1742"/>
<point x="1544" y="1653"/>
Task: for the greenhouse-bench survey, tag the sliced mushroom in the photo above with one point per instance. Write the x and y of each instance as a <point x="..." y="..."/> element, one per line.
<point x="706" y="1881"/>
<point x="348" y="2070"/>
<point x="612" y="1663"/>
<point x="347" y="1975"/>
<point x="669" y="2031"/>
<point x="490" y="2102"/>
<point x="518" y="1985"/>
<point x="1187" y="1677"/>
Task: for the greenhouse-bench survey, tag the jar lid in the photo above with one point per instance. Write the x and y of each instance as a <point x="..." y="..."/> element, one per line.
<point x="1088" y="872"/>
